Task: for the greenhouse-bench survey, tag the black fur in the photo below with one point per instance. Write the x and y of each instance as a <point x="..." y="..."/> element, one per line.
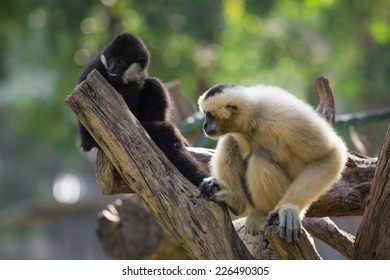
<point x="148" y="100"/>
<point x="217" y="90"/>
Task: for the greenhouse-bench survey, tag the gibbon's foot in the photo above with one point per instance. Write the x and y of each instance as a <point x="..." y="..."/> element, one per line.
<point x="289" y="222"/>
<point x="208" y="188"/>
<point x="255" y="221"/>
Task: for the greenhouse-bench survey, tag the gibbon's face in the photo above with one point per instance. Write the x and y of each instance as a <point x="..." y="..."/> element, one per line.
<point x="220" y="111"/>
<point x="126" y="59"/>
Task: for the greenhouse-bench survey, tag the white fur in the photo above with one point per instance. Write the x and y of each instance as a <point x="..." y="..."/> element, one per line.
<point x="290" y="154"/>
<point x="133" y="73"/>
<point x="104" y="61"/>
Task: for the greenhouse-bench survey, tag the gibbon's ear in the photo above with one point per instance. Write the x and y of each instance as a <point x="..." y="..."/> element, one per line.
<point x="231" y="108"/>
<point x="228" y="111"/>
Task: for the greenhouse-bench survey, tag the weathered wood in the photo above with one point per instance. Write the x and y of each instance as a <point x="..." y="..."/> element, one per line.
<point x="110" y="182"/>
<point x="127" y="230"/>
<point x="304" y="249"/>
<point x="257" y="245"/>
<point x="373" y="237"/>
<point x="325" y="98"/>
<point x="108" y="179"/>
<point x="169" y="195"/>
<point x="327" y="231"/>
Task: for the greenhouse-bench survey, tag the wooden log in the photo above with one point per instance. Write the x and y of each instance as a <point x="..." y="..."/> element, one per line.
<point x="169" y="195"/>
<point x="257" y="245"/>
<point x="373" y="237"/>
<point x="128" y="231"/>
<point x="304" y="249"/>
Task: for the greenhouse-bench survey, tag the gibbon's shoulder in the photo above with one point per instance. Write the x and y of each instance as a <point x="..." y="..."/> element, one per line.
<point x="95" y="63"/>
<point x="154" y="87"/>
<point x="284" y="106"/>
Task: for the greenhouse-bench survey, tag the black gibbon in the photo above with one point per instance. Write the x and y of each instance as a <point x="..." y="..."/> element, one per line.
<point x="275" y="155"/>
<point x="124" y="63"/>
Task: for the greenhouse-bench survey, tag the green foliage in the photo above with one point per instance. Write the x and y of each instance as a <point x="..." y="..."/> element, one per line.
<point x="44" y="44"/>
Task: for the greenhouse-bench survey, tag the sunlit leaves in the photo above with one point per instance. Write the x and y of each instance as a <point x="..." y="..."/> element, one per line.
<point x="380" y="31"/>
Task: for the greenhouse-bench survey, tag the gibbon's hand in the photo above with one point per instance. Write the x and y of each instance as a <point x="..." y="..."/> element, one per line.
<point x="289" y="222"/>
<point x="208" y="188"/>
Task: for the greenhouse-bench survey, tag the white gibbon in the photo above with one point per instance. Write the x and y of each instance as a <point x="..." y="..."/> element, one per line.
<point x="275" y="155"/>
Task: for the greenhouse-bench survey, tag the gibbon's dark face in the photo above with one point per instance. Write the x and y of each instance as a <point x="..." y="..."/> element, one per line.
<point x="218" y="105"/>
<point x="209" y="125"/>
<point x="126" y="59"/>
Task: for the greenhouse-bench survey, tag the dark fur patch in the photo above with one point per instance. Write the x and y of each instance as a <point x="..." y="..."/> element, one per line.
<point x="246" y="187"/>
<point x="217" y="90"/>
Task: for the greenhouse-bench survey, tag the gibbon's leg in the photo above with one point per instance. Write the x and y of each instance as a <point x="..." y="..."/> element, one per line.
<point x="313" y="181"/>
<point x="226" y="183"/>
<point x="267" y="182"/>
<point x="255" y="221"/>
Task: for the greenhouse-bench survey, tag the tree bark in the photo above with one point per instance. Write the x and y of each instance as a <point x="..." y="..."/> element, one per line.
<point x="128" y="231"/>
<point x="169" y="195"/>
<point x="373" y="237"/>
<point x="327" y="231"/>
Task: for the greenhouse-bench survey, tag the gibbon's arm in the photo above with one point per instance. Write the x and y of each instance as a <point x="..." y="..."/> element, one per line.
<point x="325" y="155"/>
<point x="168" y="138"/>
<point x="227" y="176"/>
<point x="93" y="64"/>
<point x="321" y="152"/>
<point x="155" y="101"/>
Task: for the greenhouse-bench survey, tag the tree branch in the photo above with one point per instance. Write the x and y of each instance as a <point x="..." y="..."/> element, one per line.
<point x="169" y="195"/>
<point x="327" y="231"/>
<point x="325" y="98"/>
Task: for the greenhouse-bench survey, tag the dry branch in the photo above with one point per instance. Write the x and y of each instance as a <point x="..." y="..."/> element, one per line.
<point x="325" y="98"/>
<point x="327" y="231"/>
<point x="169" y="195"/>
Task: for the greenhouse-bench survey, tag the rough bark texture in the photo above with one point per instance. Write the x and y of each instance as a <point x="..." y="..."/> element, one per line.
<point x="327" y="231"/>
<point x="304" y="249"/>
<point x="195" y="223"/>
<point x="325" y="98"/>
<point x="373" y="237"/>
<point x="128" y="231"/>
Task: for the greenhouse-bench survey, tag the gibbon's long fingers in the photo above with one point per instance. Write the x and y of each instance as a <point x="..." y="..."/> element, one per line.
<point x="282" y="226"/>
<point x="207" y="188"/>
<point x="255" y="221"/>
<point x="290" y="226"/>
<point x="273" y="215"/>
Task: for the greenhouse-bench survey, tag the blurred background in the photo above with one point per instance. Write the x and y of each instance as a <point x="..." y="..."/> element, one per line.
<point x="48" y="196"/>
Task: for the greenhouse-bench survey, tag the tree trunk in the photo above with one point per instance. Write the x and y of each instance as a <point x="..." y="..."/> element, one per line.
<point x="204" y="229"/>
<point x="373" y="237"/>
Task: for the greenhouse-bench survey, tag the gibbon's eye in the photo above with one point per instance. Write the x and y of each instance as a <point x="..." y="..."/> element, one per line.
<point x="109" y="60"/>
<point x="209" y="117"/>
<point x="121" y="61"/>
